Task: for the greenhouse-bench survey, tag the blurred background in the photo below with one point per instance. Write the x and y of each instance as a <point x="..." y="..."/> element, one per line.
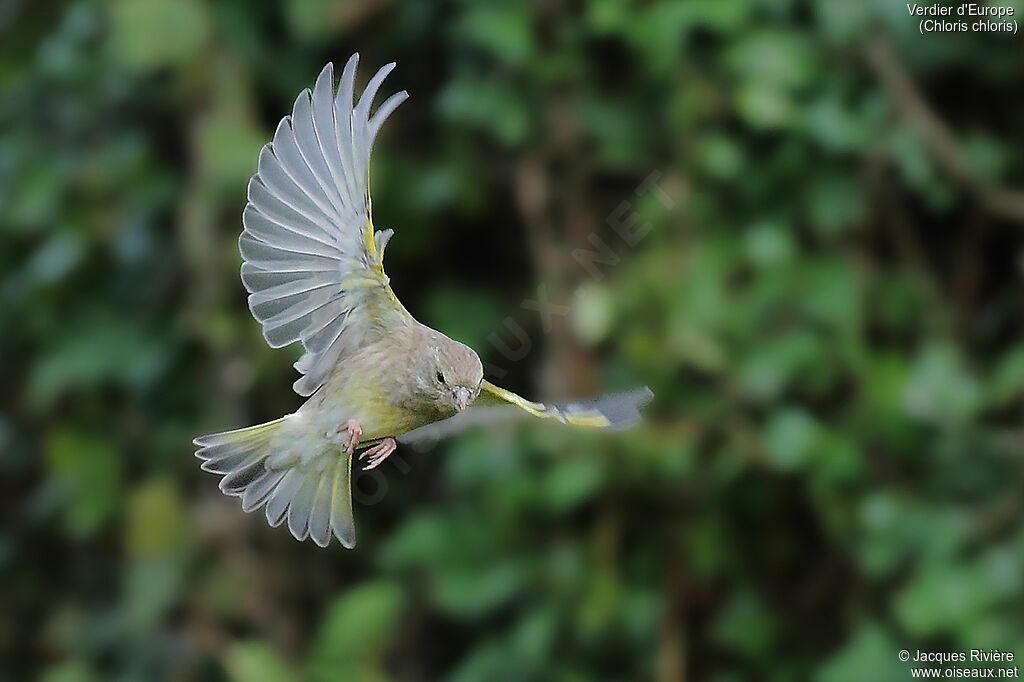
<point x="797" y="222"/>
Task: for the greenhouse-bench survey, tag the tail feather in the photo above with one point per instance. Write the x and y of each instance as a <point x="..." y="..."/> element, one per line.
<point x="260" y="491"/>
<point x="341" y="503"/>
<point x="301" y="505"/>
<point x="312" y="493"/>
<point x="320" y="509"/>
<point x="277" y="505"/>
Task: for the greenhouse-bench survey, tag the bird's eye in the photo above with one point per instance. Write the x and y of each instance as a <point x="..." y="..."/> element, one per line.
<point x="440" y="377"/>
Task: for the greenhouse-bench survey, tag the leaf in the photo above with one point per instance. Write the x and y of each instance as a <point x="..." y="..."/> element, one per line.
<point x="939" y="597"/>
<point x="769" y="243"/>
<point x="776" y="59"/>
<point x="228" y="148"/>
<point x="88" y="469"/>
<point x="607" y="16"/>
<point x="357" y="626"/>
<point x="94" y="352"/>
<point x="570" y="482"/>
<point x="487" y="105"/>
<point x="149" y="34"/>
<point x="156" y="523"/>
<point x="500" y="28"/>
<point x="1007" y="380"/>
<point x="830" y="292"/>
<point x="834" y="203"/>
<point x="255" y="661"/>
<point x="656" y="33"/>
<point x="56" y="259"/>
<point x="592" y="313"/>
<point x="708" y="546"/>
<point x="791" y="438"/>
<point x="745" y="625"/>
<point x="720" y="156"/>
<point x="151" y="587"/>
<point x="986" y="156"/>
<point x="74" y="670"/>
<point x="868" y="653"/>
<point x="764" y="107"/>
<point x="779" y="362"/>
<point x="317" y="20"/>
<point x="831" y="123"/>
<point x="611" y="122"/>
<point x="725" y="17"/>
<point x="940" y="388"/>
<point x="469" y="591"/>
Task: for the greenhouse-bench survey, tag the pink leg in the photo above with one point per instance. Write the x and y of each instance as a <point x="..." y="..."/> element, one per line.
<point x="354" y="433"/>
<point x="378" y="453"/>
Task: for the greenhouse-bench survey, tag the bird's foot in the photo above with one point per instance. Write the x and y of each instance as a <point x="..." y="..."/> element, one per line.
<point x="378" y="453"/>
<point x="353" y="432"/>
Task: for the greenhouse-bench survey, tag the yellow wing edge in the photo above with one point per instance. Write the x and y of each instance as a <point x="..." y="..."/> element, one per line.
<point x="616" y="411"/>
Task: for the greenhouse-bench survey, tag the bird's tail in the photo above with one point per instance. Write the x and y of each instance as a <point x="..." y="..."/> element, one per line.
<point x="312" y="493"/>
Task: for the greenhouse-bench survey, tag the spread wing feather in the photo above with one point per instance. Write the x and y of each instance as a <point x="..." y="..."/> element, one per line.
<point x="617" y="411"/>
<point x="313" y="265"/>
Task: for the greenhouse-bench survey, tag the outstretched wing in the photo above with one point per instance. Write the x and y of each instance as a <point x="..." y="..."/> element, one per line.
<point x="313" y="264"/>
<point x="617" y="411"/>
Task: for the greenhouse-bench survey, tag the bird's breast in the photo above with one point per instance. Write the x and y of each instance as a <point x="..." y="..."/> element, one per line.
<point x="373" y="388"/>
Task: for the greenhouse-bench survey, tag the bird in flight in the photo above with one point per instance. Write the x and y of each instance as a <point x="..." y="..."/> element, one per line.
<point x="313" y="267"/>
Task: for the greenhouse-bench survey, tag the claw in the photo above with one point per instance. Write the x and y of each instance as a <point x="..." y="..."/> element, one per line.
<point x="353" y="433"/>
<point x="378" y="453"/>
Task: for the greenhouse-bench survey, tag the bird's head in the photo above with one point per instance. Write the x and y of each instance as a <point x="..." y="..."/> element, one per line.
<point x="456" y="375"/>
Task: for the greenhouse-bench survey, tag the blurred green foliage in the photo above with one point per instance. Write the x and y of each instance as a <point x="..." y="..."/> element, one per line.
<point x="829" y="319"/>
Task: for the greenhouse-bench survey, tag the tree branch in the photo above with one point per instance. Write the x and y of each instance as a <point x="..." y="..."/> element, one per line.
<point x="936" y="134"/>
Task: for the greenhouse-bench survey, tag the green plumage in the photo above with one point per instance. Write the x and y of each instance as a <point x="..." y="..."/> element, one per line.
<point x="313" y="266"/>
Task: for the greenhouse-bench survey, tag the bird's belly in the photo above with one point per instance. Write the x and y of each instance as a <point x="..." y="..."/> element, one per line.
<point x="377" y="416"/>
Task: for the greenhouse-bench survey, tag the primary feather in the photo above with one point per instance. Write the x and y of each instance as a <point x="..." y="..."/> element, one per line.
<point x="312" y="264"/>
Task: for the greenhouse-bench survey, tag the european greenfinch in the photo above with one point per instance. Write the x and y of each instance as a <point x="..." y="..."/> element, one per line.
<point x="313" y="267"/>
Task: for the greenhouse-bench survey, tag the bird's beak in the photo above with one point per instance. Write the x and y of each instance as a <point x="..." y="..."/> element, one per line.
<point x="462" y="397"/>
